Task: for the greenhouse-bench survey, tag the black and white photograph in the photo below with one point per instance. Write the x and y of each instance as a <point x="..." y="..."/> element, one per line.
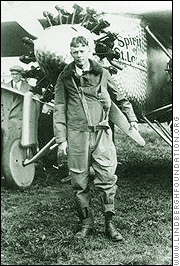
<point x="90" y="146"/>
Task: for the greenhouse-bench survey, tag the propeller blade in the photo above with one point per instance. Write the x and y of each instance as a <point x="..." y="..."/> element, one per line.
<point x="28" y="22"/>
<point x="120" y="120"/>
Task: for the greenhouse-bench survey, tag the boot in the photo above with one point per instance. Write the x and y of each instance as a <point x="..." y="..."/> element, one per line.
<point x="87" y="224"/>
<point x="110" y="230"/>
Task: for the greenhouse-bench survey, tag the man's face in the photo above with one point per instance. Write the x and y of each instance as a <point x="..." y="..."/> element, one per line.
<point x="80" y="55"/>
<point x="16" y="76"/>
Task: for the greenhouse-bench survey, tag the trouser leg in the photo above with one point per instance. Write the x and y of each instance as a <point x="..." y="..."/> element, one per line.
<point x="82" y="196"/>
<point x="78" y="161"/>
<point x="107" y="192"/>
<point x="104" y="164"/>
<point x="79" y="170"/>
<point x="81" y="189"/>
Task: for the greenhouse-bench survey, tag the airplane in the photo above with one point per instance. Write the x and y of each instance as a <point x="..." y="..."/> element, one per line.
<point x="135" y="47"/>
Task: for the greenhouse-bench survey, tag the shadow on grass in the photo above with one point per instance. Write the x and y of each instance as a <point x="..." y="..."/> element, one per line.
<point x="148" y="171"/>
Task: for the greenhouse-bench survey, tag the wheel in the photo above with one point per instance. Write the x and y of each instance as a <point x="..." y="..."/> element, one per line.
<point x="17" y="175"/>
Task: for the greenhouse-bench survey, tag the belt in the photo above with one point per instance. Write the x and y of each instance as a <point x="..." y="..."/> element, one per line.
<point x="97" y="127"/>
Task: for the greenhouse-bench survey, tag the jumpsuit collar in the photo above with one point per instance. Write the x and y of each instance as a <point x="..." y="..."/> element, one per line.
<point x="80" y="71"/>
<point x="95" y="68"/>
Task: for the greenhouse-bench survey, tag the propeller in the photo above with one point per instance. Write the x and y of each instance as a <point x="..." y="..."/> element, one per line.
<point x="27" y="21"/>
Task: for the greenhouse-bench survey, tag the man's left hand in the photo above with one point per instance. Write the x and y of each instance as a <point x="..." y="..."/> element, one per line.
<point x="133" y="125"/>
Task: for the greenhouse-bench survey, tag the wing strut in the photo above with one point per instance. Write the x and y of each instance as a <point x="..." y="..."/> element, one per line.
<point x="162" y="133"/>
<point x="164" y="130"/>
<point x="158" y="42"/>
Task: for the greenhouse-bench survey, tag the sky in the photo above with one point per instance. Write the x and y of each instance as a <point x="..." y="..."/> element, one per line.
<point x="37" y="7"/>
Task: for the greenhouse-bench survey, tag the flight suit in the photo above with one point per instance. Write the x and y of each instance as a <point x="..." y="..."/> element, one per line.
<point x="88" y="144"/>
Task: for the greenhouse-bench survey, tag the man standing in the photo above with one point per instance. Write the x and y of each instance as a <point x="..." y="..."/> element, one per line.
<point x="12" y="105"/>
<point x="17" y="81"/>
<point x="83" y="95"/>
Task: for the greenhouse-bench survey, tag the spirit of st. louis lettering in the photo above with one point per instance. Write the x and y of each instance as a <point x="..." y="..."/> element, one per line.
<point x="135" y="41"/>
<point x="130" y="50"/>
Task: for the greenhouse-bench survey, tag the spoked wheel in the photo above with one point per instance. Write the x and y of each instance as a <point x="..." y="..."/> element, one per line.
<point x="17" y="175"/>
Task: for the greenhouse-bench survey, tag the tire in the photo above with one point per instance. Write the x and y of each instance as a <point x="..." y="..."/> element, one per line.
<point x="15" y="174"/>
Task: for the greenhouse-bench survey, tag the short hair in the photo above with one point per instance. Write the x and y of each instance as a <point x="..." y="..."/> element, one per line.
<point x="79" y="40"/>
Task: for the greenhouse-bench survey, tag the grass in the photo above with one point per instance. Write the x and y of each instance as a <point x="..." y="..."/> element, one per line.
<point x="38" y="224"/>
